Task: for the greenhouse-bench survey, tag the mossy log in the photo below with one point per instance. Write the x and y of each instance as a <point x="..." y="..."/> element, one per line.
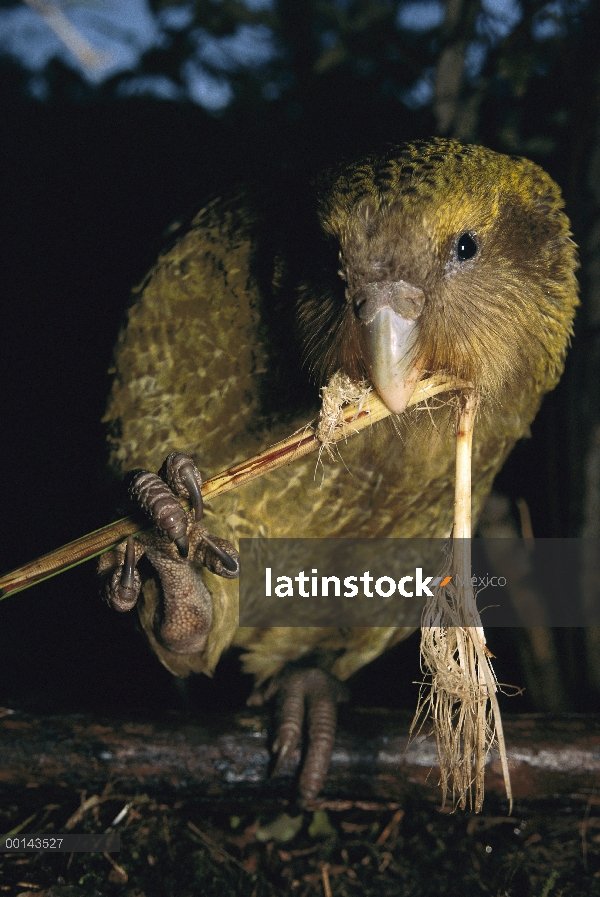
<point x="227" y="753"/>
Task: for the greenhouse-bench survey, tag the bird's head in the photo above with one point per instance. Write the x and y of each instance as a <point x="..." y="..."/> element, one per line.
<point x="453" y="260"/>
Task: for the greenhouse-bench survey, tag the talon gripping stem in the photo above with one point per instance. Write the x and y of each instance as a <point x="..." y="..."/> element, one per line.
<point x="183" y="477"/>
<point x="154" y="496"/>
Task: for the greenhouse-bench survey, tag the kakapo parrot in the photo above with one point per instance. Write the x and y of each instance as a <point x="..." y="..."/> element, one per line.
<point x="428" y="258"/>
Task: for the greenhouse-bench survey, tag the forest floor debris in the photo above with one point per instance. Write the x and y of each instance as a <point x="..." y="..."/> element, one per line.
<point x="182" y="843"/>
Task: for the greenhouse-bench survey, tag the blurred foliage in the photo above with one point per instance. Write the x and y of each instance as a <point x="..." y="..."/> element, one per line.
<point x="518" y="75"/>
<point x="511" y="73"/>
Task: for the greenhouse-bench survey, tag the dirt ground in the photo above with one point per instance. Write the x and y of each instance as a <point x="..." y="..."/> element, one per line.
<point x="176" y="843"/>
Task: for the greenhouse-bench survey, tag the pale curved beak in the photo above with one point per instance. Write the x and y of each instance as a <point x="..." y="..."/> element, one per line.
<point x="390" y="312"/>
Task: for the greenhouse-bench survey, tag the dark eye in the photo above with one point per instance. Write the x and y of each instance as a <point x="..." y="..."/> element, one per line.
<point x="466" y="248"/>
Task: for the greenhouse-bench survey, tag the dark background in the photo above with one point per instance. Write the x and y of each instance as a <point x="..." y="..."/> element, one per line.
<point x="91" y="181"/>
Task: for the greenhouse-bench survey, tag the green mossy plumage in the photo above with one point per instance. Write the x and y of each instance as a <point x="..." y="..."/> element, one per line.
<point x="198" y="359"/>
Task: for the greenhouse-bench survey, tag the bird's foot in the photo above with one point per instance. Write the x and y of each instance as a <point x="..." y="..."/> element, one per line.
<point x="316" y="693"/>
<point x="159" y="497"/>
<point x="177" y="547"/>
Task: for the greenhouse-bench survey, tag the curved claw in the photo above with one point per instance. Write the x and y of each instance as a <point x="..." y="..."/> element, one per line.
<point x="290" y="727"/>
<point x="191" y="483"/>
<point x="183" y="546"/>
<point x="127" y="580"/>
<point x="123" y="587"/>
<point x="228" y="562"/>
<point x="183" y="477"/>
<point x="216" y="554"/>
